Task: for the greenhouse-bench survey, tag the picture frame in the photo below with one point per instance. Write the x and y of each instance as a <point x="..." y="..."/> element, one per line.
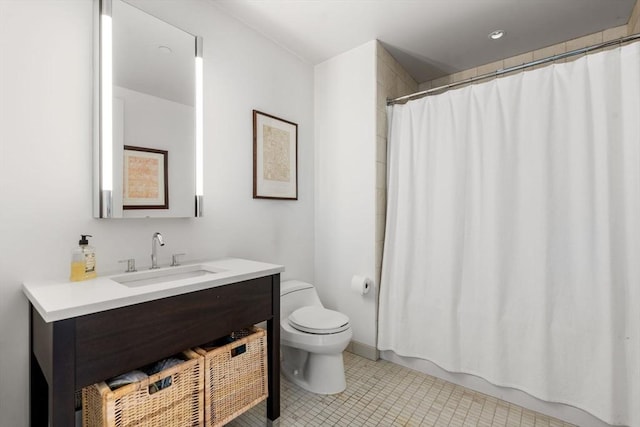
<point x="275" y="157"/>
<point x="145" y="178"/>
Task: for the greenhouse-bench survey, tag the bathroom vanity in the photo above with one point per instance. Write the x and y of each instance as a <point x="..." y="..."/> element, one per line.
<point x="85" y="332"/>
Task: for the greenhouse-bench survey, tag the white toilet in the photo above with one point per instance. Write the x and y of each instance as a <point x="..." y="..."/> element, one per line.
<point x="312" y="339"/>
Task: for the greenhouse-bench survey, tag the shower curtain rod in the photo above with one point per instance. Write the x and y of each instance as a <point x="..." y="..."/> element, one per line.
<point x="496" y="73"/>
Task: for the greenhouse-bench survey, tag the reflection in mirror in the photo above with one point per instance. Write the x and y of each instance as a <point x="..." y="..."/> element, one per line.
<point x="150" y="99"/>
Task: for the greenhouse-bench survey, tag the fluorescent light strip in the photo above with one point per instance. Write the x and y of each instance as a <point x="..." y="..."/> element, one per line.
<point x="199" y="128"/>
<point x="106" y="108"/>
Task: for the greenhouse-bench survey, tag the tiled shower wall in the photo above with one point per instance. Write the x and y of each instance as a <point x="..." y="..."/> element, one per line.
<point x="633" y="27"/>
<point x="392" y="81"/>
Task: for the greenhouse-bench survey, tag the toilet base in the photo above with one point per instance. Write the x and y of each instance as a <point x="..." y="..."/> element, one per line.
<point x="317" y="373"/>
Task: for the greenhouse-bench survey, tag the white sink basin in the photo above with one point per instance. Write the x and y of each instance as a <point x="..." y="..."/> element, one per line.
<point x="163" y="275"/>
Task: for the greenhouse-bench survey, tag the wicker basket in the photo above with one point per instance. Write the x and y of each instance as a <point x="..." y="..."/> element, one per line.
<point x="179" y="404"/>
<point x="235" y="377"/>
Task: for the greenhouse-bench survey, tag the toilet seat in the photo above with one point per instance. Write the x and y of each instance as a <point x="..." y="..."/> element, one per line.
<point x="318" y="320"/>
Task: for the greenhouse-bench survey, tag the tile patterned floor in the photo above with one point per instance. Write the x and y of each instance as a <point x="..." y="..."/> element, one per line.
<point x="388" y="395"/>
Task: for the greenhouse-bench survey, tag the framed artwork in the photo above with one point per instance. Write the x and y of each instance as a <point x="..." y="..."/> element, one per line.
<point x="275" y="157"/>
<point x="145" y="184"/>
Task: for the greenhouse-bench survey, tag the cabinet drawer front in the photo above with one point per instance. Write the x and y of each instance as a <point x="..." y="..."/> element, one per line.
<point x="116" y="341"/>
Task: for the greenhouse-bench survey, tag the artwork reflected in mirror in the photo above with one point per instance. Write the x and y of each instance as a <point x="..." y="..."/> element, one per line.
<point x="145" y="183"/>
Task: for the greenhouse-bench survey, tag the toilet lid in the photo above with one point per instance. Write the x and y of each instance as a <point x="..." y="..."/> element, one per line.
<point x="318" y="320"/>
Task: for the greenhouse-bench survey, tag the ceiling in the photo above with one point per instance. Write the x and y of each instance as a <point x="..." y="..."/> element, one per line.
<point x="152" y="56"/>
<point x="430" y="38"/>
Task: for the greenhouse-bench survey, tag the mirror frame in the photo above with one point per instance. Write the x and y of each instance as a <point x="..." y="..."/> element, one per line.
<point x="103" y="116"/>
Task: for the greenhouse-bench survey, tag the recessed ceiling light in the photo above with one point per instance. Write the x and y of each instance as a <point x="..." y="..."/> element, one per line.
<point x="495" y="35"/>
<point x="165" y="49"/>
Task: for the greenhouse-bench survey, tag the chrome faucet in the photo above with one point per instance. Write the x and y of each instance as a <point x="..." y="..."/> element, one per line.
<point x="157" y="238"/>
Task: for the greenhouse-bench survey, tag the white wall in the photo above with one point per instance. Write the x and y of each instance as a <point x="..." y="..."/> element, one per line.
<point x="46" y="158"/>
<point x="345" y="194"/>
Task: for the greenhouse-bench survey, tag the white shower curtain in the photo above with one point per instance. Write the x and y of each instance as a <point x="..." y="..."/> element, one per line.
<point x="512" y="246"/>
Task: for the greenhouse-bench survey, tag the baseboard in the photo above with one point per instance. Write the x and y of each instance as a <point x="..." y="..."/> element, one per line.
<point x="363" y="350"/>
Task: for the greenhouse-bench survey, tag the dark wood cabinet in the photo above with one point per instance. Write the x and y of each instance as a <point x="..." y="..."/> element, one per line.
<point x="70" y="354"/>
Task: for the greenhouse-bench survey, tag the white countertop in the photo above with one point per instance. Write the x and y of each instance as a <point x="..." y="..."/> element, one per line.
<point x="58" y="300"/>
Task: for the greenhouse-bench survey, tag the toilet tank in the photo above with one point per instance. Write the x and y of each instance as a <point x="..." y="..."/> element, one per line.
<point x="295" y="294"/>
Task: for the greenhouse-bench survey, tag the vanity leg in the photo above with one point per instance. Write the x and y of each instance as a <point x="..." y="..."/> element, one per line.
<point x="51" y="372"/>
<point x="62" y="387"/>
<point x="38" y="388"/>
<point x="273" y="353"/>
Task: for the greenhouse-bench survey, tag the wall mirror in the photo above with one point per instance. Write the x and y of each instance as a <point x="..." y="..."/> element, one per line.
<point x="148" y="116"/>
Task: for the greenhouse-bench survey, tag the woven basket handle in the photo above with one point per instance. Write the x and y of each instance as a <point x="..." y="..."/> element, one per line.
<point x="237" y="351"/>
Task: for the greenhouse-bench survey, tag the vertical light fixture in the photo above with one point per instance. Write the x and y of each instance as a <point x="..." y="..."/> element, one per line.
<point x="199" y="128"/>
<point x="106" y="109"/>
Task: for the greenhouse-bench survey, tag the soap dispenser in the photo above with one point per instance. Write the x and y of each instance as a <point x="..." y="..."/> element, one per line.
<point x="83" y="260"/>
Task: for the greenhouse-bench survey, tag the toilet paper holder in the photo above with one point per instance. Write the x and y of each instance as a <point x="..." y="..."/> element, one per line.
<point x="361" y="284"/>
